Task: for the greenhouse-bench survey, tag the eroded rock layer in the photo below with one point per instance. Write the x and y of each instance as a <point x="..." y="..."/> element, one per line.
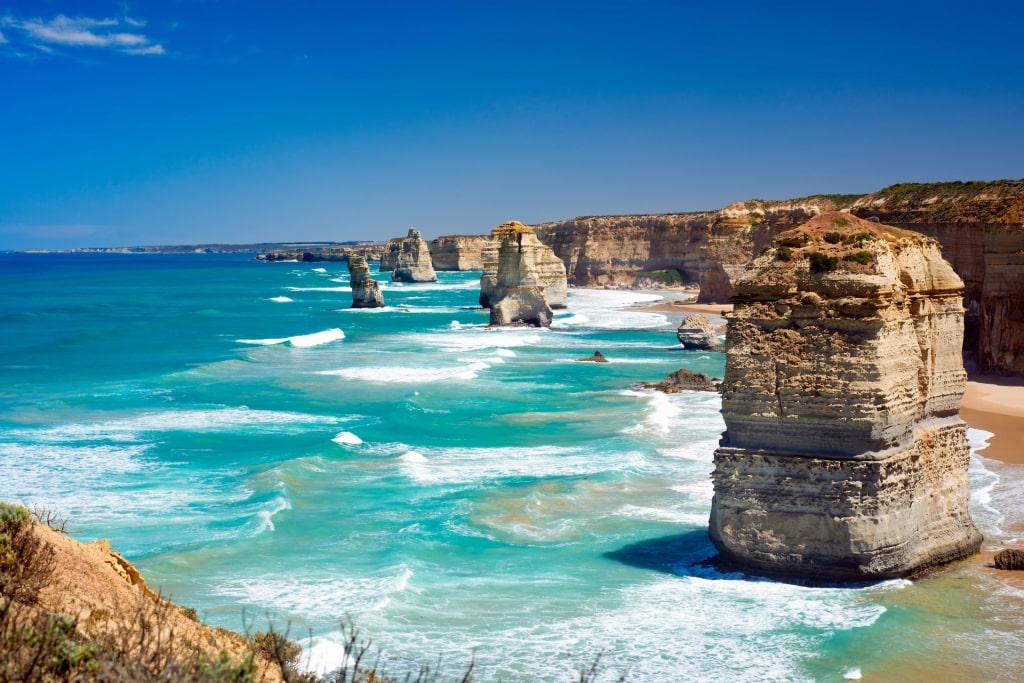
<point x="365" y="290"/>
<point x="697" y="332"/>
<point x="528" y="279"/>
<point x="459" y="252"/>
<point x="981" y="229"/>
<point x="412" y="263"/>
<point x="844" y="455"/>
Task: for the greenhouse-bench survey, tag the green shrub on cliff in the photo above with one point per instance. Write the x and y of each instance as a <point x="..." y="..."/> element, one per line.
<point x="666" y="278"/>
<point x="861" y="257"/>
<point x="822" y="263"/>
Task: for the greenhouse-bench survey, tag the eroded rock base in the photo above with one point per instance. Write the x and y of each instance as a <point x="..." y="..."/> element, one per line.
<point x="844" y="519"/>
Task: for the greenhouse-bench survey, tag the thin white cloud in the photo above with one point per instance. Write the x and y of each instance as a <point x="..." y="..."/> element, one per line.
<point x="85" y="32"/>
<point x="2" y="39"/>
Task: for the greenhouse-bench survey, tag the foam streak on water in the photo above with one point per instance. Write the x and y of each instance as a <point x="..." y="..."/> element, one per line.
<point x="451" y="488"/>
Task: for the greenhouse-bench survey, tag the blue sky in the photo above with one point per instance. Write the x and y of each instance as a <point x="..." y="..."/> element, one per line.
<point x="196" y="121"/>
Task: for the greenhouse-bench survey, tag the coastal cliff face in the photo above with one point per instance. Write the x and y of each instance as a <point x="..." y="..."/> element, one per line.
<point x="365" y="290"/>
<point x="459" y="252"/>
<point x="412" y="263"/>
<point x="609" y="251"/>
<point x="844" y="455"/>
<point x="711" y="248"/>
<point x="529" y="281"/>
<point x="979" y="225"/>
<point x="981" y="229"/>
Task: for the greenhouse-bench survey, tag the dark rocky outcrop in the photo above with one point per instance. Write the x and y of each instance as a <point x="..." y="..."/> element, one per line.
<point x="598" y="357"/>
<point x="412" y="263"/>
<point x="844" y="456"/>
<point x="365" y="290"/>
<point x="683" y="380"/>
<point x="697" y="332"/>
<point x="1011" y="558"/>
<point x="528" y="280"/>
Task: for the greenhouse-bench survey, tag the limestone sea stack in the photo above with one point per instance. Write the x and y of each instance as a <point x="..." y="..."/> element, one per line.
<point x="529" y="280"/>
<point x="413" y="261"/>
<point x="844" y="457"/>
<point x="365" y="290"/>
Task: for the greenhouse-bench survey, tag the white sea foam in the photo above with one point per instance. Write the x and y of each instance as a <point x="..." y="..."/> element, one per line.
<point x="506" y="353"/>
<point x="467" y="465"/>
<point x="319" y="289"/>
<point x="265" y="518"/>
<point x="144" y="425"/>
<point x="478" y="339"/>
<point x="683" y="517"/>
<point x="606" y="309"/>
<point x="319" y="270"/>
<point x="659" y="416"/>
<point x="852" y="674"/>
<point x="324" y="654"/>
<point x="318" y="597"/>
<point x="412" y="457"/>
<point x="347" y="439"/>
<point x="281" y="299"/>
<point x="300" y="340"/>
<point x="408" y="375"/>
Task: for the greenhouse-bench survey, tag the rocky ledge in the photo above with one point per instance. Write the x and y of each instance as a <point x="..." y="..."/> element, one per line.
<point x="844" y="456"/>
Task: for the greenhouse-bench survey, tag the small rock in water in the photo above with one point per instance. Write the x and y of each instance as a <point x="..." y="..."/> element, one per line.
<point x="683" y="380"/>
<point x="598" y="357"/>
<point x="1011" y="558"/>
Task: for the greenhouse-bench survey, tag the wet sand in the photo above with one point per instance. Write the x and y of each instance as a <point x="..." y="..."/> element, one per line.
<point x="996" y="405"/>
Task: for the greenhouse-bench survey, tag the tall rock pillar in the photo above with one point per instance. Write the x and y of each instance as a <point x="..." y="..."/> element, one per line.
<point x="844" y="457"/>
<point x="523" y="280"/>
<point x="412" y="263"/>
<point x="365" y="290"/>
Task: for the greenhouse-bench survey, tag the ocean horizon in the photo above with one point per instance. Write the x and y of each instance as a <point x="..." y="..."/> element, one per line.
<point x="262" y="452"/>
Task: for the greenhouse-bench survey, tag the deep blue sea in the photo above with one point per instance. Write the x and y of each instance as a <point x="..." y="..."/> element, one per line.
<point x="260" y="450"/>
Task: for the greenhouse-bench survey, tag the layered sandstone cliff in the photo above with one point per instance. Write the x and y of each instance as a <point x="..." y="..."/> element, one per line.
<point x="981" y="229"/>
<point x="844" y="455"/>
<point x="459" y="252"/>
<point x="412" y="263"/>
<point x="528" y="280"/>
<point x="365" y="290"/>
<point x="979" y="225"/>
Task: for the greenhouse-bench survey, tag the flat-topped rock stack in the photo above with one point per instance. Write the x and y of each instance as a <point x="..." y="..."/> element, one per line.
<point x="412" y="262"/>
<point x="528" y="279"/>
<point x="844" y="457"/>
<point x="365" y="290"/>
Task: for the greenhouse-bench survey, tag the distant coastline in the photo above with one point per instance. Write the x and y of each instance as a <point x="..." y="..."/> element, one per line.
<point x="215" y="248"/>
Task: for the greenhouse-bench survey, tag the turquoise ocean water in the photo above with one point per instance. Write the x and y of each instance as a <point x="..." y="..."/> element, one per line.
<point x="259" y="450"/>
